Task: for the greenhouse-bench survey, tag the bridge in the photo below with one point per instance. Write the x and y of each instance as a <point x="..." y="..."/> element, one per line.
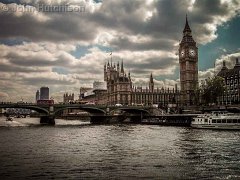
<point x="98" y="113"/>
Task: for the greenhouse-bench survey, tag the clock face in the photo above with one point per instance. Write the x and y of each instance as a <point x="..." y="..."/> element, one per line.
<point x="192" y="52"/>
<point x="182" y="53"/>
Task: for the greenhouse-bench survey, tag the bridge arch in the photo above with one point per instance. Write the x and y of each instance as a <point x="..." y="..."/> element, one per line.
<point x="22" y="106"/>
<point x="91" y="110"/>
<point x="135" y="110"/>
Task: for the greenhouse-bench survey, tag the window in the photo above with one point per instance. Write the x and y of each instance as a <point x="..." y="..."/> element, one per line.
<point x="234" y="120"/>
<point x="205" y="120"/>
<point x="218" y="121"/>
<point x="229" y="121"/>
<point x="213" y="121"/>
<point x="224" y="121"/>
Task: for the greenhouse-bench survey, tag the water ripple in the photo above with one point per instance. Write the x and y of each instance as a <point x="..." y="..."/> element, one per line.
<point x="78" y="150"/>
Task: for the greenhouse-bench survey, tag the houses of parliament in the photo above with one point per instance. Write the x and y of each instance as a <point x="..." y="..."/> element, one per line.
<point x="120" y="88"/>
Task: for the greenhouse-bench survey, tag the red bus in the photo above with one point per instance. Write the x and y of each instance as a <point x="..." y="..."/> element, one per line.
<point x="45" y="101"/>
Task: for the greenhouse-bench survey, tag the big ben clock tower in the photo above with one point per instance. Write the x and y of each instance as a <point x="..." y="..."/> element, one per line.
<point x="188" y="60"/>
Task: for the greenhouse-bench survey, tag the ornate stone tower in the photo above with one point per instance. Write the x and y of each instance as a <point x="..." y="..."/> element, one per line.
<point x="119" y="85"/>
<point x="188" y="60"/>
<point x="151" y="84"/>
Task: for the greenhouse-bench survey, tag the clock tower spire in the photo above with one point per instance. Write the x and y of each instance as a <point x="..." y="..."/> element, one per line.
<point x="188" y="61"/>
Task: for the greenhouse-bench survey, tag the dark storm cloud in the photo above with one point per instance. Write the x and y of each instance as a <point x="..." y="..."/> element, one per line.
<point x="210" y="8"/>
<point x="122" y="15"/>
<point x="145" y="34"/>
<point x="50" y="27"/>
<point x="168" y="21"/>
<point x="35" y="60"/>
<point x="126" y="17"/>
<point x="124" y="43"/>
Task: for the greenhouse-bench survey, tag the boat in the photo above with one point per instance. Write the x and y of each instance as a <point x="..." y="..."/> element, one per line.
<point x="9" y="118"/>
<point x="217" y="120"/>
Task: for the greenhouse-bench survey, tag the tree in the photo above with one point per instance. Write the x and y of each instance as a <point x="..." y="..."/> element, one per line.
<point x="211" y="89"/>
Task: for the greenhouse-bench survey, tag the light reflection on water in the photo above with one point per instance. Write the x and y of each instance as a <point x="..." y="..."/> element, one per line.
<point x="75" y="149"/>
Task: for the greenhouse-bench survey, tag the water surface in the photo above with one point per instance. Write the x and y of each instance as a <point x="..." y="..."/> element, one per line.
<point x="79" y="150"/>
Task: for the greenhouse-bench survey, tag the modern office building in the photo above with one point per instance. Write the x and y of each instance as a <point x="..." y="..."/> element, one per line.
<point x="44" y="93"/>
<point x="37" y="95"/>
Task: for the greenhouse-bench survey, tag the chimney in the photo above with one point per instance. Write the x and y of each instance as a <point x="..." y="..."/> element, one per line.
<point x="224" y="63"/>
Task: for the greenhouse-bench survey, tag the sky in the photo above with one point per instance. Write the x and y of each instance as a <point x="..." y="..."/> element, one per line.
<point x="64" y="44"/>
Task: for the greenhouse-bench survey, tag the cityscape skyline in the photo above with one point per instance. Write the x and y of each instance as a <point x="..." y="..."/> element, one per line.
<point x="66" y="51"/>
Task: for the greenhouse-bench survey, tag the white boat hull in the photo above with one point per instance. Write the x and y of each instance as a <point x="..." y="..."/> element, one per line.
<point x="217" y="120"/>
<point x="215" y="126"/>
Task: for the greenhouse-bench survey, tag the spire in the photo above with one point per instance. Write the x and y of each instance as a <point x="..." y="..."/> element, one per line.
<point x="187" y="34"/>
<point x="224" y="64"/>
<point x="237" y="63"/>
<point x="117" y="66"/>
<point x="224" y="67"/>
<point x="187" y="27"/>
<point x="122" y="70"/>
<point x="151" y="78"/>
<point x="151" y="83"/>
<point x="223" y="71"/>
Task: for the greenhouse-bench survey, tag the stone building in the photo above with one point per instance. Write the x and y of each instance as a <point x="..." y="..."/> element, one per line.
<point x="94" y="95"/>
<point x="232" y="82"/>
<point x="68" y="97"/>
<point x="85" y="91"/>
<point x="119" y="85"/>
<point x="188" y="60"/>
<point x="44" y="93"/>
<point x="120" y="89"/>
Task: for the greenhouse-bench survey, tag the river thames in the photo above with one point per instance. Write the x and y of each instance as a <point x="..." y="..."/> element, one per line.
<point x="79" y="150"/>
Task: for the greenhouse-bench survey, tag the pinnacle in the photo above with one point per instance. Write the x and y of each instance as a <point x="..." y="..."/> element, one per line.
<point x="187" y="27"/>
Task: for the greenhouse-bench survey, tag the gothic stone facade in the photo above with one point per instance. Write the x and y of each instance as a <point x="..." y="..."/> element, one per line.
<point x="68" y="97"/>
<point x="120" y="90"/>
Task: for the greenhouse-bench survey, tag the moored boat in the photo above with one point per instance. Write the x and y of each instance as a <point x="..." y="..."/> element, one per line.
<point x="217" y="120"/>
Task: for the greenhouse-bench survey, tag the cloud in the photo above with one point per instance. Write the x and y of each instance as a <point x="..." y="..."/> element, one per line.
<point x="145" y="34"/>
<point x="121" y="19"/>
<point x="230" y="60"/>
<point x="3" y="96"/>
<point x="216" y="13"/>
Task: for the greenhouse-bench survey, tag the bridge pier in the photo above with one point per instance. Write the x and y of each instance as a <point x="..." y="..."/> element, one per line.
<point x="99" y="119"/>
<point x="47" y="120"/>
<point x="136" y="119"/>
